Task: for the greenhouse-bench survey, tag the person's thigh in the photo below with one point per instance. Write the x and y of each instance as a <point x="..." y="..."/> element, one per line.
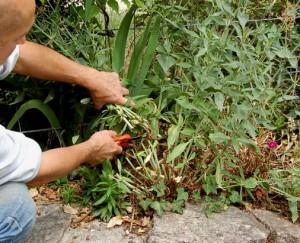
<point x="17" y="212"/>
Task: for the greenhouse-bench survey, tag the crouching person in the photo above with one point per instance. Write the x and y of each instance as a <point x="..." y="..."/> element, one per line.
<point x="22" y="163"/>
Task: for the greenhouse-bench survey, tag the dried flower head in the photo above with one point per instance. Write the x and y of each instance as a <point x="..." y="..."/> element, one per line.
<point x="272" y="145"/>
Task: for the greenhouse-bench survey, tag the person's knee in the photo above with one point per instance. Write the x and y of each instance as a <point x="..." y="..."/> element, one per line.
<point x="17" y="212"/>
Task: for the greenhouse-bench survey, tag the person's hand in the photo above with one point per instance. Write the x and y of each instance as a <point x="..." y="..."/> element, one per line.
<point x="106" y="88"/>
<point x="102" y="147"/>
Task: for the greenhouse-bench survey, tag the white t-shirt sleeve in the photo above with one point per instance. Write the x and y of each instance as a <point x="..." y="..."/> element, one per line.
<point x="10" y="63"/>
<point x="20" y="157"/>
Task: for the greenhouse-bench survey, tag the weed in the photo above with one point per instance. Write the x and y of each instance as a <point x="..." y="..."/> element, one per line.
<point x="68" y="194"/>
<point x="107" y="193"/>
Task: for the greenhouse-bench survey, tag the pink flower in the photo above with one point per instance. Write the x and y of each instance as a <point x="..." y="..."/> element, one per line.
<point x="272" y="145"/>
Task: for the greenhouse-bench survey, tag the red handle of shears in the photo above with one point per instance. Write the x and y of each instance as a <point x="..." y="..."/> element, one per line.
<point x="123" y="140"/>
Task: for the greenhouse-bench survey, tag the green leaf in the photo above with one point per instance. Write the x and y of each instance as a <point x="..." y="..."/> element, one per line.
<point x="19" y="98"/>
<point x="218" y="175"/>
<point x="119" y="165"/>
<point x="145" y="204"/>
<point x="183" y="102"/>
<point x="293" y="206"/>
<point x="177" y="151"/>
<point x="191" y="33"/>
<point x="173" y="134"/>
<point x="139" y="3"/>
<point x="114" y="5"/>
<point x="43" y="108"/>
<point x="236" y="145"/>
<point x="284" y="52"/>
<point x="190" y="131"/>
<point x="121" y="40"/>
<point x="160" y="189"/>
<point x="250" y="128"/>
<point x="177" y="207"/>
<point x="197" y="196"/>
<point x="166" y="62"/>
<point x="101" y="200"/>
<point x="223" y="5"/>
<point x="288" y="98"/>
<point x="182" y="195"/>
<point x="249" y="143"/>
<point x="218" y="137"/>
<point x="235" y="197"/>
<point x="219" y="101"/>
<point x="250" y="183"/>
<point x="210" y="185"/>
<point x="75" y="139"/>
<point x="157" y="207"/>
<point x="136" y="58"/>
<point x="148" y="56"/>
<point x="50" y="96"/>
<point x="243" y="19"/>
<point x="184" y="65"/>
<point x="91" y="10"/>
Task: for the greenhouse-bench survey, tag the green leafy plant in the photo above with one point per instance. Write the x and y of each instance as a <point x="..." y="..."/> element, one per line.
<point x="105" y="191"/>
<point x="143" y="52"/>
<point x="287" y="183"/>
<point x="43" y="108"/>
<point x="121" y="39"/>
<point x="68" y="194"/>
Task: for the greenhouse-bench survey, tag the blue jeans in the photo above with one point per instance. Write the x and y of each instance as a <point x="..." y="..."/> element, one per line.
<point x="17" y="212"/>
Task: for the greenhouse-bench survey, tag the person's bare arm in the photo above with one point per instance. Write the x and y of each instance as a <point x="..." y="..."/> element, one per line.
<point x="59" y="162"/>
<point x="41" y="62"/>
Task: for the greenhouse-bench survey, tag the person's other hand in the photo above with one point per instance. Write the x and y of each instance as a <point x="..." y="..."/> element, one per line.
<point x="106" y="88"/>
<point x="102" y="147"/>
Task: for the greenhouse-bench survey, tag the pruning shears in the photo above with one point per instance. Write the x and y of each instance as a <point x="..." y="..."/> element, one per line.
<point x="125" y="139"/>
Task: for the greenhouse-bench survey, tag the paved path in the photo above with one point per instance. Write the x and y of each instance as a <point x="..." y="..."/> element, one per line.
<point x="231" y="226"/>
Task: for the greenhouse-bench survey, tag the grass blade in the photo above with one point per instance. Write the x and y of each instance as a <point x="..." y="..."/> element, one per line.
<point x="147" y="58"/>
<point x="42" y="107"/>
<point x="137" y="55"/>
<point x="121" y="40"/>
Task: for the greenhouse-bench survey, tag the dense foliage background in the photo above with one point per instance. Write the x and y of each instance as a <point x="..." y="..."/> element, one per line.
<point x="216" y="92"/>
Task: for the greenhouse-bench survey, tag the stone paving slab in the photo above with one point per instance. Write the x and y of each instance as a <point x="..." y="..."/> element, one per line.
<point x="97" y="232"/>
<point x="282" y="231"/>
<point x="51" y="223"/>
<point x="233" y="225"/>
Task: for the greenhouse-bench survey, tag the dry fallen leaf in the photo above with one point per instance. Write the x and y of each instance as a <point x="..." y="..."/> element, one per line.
<point x="129" y="209"/>
<point x="153" y="173"/>
<point x="178" y="179"/>
<point x="115" y="221"/>
<point x="70" y="210"/>
<point x="141" y="231"/>
<point x="146" y="221"/>
<point x="148" y="158"/>
<point x="85" y="211"/>
<point x="33" y="192"/>
<point x="50" y="193"/>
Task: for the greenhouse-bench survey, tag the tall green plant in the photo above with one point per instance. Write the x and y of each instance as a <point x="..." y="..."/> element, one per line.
<point x="143" y="53"/>
<point x="106" y="191"/>
<point x="121" y="40"/>
<point x="43" y="108"/>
